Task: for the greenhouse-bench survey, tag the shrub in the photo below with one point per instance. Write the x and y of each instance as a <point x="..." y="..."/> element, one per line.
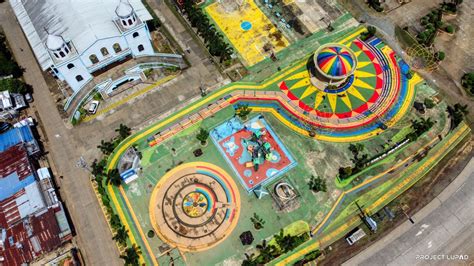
<point x="440" y="56"/>
<point x="449" y="29"/>
<point x="429" y="103"/>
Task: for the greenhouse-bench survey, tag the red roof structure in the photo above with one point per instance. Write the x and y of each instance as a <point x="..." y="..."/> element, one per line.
<point x="28" y="226"/>
<point x="30" y="238"/>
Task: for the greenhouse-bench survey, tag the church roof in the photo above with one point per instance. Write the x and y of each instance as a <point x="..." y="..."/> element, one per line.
<point x="82" y="22"/>
<point x="54" y="42"/>
<point x="124" y="9"/>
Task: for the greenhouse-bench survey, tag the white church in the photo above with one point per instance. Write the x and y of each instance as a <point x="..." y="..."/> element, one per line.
<point x="73" y="39"/>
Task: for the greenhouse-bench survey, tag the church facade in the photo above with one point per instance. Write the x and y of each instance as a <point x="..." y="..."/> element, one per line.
<point x="74" y="39"/>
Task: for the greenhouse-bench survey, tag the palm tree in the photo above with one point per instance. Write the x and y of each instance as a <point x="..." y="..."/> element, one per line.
<point x="249" y="260"/>
<point x="257" y="221"/>
<point x="106" y="147"/>
<point x="123" y="131"/>
<point x="356" y="148"/>
<point x="98" y="167"/>
<point x="243" y="111"/>
<point x="267" y="252"/>
<point x="113" y="177"/>
<point x="131" y="255"/>
<point x="121" y="236"/>
<point x="317" y="184"/>
<point x="202" y="136"/>
<point x="115" y="222"/>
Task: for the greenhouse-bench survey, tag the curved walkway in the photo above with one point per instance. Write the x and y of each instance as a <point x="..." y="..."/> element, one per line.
<point x="224" y="98"/>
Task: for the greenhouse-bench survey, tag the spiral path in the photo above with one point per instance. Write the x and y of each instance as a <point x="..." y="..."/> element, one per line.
<point x="194" y="206"/>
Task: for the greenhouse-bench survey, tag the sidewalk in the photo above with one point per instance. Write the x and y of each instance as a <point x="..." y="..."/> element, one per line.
<point x="436" y="225"/>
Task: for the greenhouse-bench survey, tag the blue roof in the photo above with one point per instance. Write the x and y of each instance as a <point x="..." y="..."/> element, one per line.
<point x="11" y="184"/>
<point x="15" y="136"/>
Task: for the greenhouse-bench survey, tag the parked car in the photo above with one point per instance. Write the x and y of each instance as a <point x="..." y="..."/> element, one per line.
<point x="28" y="97"/>
<point x="93" y="106"/>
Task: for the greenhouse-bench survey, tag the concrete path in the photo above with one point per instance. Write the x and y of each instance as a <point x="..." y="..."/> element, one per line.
<point x="443" y="227"/>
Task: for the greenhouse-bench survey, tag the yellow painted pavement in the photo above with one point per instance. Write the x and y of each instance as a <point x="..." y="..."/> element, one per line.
<point x="249" y="44"/>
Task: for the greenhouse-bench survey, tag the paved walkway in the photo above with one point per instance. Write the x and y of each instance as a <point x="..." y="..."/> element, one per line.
<point x="93" y="235"/>
<point x="443" y="227"/>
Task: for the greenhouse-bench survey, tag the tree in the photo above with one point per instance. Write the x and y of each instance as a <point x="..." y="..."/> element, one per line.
<point x="356" y="148"/>
<point x="106" y="147"/>
<point x="467" y="81"/>
<point x="449" y="29"/>
<point x="429" y="103"/>
<point x="371" y="30"/>
<point x="267" y="252"/>
<point x="115" y="222"/>
<point x="419" y="127"/>
<point x="202" y="136"/>
<point x="457" y="113"/>
<point x="14" y="85"/>
<point x="249" y="260"/>
<point x="440" y="55"/>
<point x="242" y="111"/>
<point x="8" y="65"/>
<point x="317" y="184"/>
<point x="123" y="131"/>
<point x="98" y="167"/>
<point x="345" y="172"/>
<point x="131" y="255"/>
<point x="257" y="221"/>
<point x="121" y="236"/>
<point x="113" y="177"/>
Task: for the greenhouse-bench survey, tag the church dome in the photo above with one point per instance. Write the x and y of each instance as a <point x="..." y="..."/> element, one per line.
<point x="335" y="61"/>
<point x="124" y="10"/>
<point x="54" y="42"/>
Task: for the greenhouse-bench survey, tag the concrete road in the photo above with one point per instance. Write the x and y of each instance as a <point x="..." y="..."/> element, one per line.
<point x="444" y="227"/>
<point x="93" y="235"/>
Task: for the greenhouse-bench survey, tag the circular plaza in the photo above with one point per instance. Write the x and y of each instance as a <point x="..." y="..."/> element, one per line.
<point x="350" y="88"/>
<point x="194" y="206"/>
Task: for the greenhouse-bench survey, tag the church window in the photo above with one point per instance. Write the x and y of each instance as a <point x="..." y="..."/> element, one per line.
<point x="117" y="48"/>
<point x="104" y="51"/>
<point x="93" y="59"/>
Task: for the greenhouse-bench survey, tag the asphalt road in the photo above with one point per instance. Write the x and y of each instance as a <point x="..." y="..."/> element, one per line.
<point x="443" y="228"/>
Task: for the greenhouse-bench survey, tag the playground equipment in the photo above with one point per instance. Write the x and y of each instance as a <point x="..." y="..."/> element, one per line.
<point x="259" y="149"/>
<point x="285" y="191"/>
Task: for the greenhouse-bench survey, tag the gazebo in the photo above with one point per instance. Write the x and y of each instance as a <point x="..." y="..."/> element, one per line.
<point x="333" y="65"/>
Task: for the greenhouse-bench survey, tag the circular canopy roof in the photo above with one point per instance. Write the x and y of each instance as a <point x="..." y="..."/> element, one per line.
<point x="335" y="61"/>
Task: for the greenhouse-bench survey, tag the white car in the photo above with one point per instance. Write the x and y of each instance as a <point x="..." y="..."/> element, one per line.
<point x="93" y="106"/>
